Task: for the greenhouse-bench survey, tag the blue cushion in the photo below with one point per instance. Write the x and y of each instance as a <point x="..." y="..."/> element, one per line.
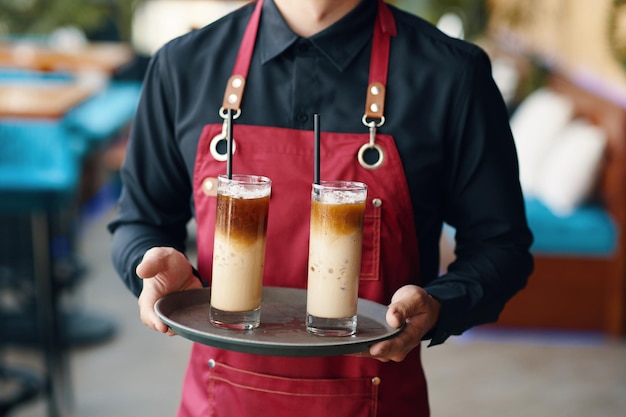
<point x="8" y="75"/>
<point x="588" y="231"/>
<point x="39" y="164"/>
<point x="105" y="114"/>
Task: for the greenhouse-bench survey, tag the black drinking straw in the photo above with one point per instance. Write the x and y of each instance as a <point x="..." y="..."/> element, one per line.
<point x="316" y="154"/>
<point x="229" y="146"/>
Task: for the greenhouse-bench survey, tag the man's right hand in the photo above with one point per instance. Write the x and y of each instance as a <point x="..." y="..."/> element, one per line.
<point x="164" y="271"/>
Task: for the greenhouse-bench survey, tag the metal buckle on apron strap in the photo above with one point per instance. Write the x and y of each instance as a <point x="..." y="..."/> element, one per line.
<point x="367" y="150"/>
<point x="374" y="107"/>
<point x="218" y="150"/>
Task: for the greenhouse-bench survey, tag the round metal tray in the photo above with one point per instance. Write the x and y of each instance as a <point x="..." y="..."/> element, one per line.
<point x="282" y="331"/>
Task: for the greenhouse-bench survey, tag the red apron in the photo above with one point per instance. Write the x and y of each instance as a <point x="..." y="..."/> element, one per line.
<point x="232" y="384"/>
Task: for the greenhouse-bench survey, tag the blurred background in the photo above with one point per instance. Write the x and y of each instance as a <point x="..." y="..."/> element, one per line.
<point x="71" y="343"/>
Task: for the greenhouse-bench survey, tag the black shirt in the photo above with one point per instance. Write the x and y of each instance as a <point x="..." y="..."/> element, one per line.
<point x="442" y="108"/>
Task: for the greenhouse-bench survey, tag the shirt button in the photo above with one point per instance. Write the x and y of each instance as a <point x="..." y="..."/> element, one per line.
<point x="303" y="47"/>
<point x="302" y="117"/>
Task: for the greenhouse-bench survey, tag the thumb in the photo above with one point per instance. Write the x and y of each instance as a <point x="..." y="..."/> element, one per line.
<point x="153" y="262"/>
<point x="396" y="315"/>
<point x="406" y="302"/>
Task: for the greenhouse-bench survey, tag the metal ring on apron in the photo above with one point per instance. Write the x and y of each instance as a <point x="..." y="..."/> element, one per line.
<point x="364" y="149"/>
<point x="223" y="136"/>
<point x="217" y="155"/>
<point x="371" y="145"/>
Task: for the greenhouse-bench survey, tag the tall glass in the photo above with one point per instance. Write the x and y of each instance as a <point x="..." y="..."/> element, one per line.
<point x="239" y="251"/>
<point x="335" y="245"/>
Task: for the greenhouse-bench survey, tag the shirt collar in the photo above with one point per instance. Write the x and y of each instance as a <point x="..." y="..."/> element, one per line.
<point x="340" y="43"/>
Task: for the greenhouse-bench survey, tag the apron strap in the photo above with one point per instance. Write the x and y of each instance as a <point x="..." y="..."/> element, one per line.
<point x="379" y="62"/>
<point x="237" y="81"/>
<point x="385" y="27"/>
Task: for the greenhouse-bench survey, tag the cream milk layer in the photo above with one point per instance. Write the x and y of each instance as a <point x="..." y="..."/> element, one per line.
<point x="334" y="268"/>
<point x="240" y="268"/>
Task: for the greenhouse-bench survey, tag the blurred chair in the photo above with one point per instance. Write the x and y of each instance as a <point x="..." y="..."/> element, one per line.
<point x="103" y="121"/>
<point x="579" y="281"/>
<point x="106" y="115"/>
<point x="39" y="171"/>
<point x="50" y="170"/>
<point x="87" y="129"/>
<point x="18" y="385"/>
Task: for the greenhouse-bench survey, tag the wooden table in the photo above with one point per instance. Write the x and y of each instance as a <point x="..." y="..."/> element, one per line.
<point x="40" y="100"/>
<point x="97" y="56"/>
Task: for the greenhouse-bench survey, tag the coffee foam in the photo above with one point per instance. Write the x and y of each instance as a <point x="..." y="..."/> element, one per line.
<point x="244" y="191"/>
<point x="340" y="197"/>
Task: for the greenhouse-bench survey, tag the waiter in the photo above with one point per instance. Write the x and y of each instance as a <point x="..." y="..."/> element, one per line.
<point x="410" y="112"/>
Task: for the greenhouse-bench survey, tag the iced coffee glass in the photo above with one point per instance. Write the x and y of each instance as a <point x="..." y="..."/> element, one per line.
<point x="239" y="251"/>
<point x="336" y="237"/>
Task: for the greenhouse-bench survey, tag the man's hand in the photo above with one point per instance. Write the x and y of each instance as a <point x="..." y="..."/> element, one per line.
<point x="164" y="271"/>
<point x="415" y="307"/>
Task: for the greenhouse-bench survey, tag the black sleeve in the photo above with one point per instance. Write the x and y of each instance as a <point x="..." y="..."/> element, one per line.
<point x="155" y="203"/>
<point x="483" y="202"/>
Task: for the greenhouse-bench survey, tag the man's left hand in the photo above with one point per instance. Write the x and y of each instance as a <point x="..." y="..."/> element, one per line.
<point x="413" y="306"/>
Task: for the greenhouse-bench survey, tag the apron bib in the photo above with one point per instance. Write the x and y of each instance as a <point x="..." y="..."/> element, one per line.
<point x="225" y="383"/>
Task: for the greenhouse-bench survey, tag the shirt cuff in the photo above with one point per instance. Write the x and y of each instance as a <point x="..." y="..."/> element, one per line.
<point x="449" y="313"/>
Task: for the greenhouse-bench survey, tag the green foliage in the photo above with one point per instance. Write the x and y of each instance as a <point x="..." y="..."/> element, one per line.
<point x="473" y="12"/>
<point x="41" y="17"/>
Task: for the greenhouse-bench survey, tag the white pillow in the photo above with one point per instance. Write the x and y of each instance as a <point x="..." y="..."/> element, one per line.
<point x="569" y="173"/>
<point x="535" y="126"/>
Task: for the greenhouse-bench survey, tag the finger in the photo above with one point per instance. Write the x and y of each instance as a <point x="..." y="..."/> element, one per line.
<point x="406" y="302"/>
<point x="396" y="316"/>
<point x="152" y="263"/>
<point x="148" y="316"/>
<point x="364" y="354"/>
<point x="150" y="319"/>
<point x="153" y="322"/>
<point x="394" y="349"/>
<point x="398" y="347"/>
<point x="380" y="350"/>
<point x="161" y="327"/>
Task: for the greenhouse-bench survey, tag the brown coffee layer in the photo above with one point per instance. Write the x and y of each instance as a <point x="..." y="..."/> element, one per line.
<point x="244" y="219"/>
<point x="337" y="218"/>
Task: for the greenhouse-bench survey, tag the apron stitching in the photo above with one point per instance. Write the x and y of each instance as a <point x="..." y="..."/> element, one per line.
<point x="294" y="394"/>
<point x="374" y="273"/>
